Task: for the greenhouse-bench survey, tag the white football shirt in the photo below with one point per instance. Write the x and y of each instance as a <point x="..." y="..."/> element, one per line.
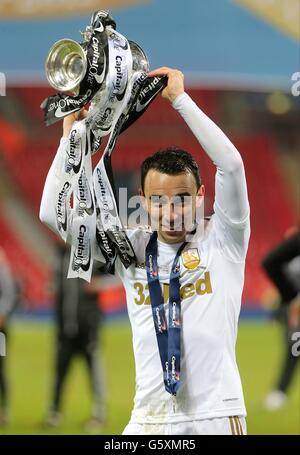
<point x="211" y="279"/>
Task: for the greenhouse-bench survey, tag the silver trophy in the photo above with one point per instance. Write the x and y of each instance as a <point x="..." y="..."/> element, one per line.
<point x="105" y="69"/>
<point x="109" y="71"/>
<point x="66" y="66"/>
<point x="67" y="61"/>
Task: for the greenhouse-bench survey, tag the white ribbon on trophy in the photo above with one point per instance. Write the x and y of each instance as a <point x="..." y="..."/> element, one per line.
<point x="109" y="71"/>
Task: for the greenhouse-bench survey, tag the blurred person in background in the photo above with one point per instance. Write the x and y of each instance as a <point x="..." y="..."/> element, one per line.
<point x="282" y="265"/>
<point x="7" y="301"/>
<point x="77" y="316"/>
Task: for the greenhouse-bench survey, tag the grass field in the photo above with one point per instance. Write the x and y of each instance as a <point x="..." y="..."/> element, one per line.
<point x="30" y="361"/>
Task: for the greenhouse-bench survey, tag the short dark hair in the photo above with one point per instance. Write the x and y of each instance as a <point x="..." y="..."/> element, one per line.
<point x="172" y="161"/>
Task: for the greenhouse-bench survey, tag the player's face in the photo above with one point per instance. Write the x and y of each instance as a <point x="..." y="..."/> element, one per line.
<point x="171" y="202"/>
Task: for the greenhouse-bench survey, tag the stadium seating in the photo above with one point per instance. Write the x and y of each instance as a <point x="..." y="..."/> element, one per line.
<point x="31" y="274"/>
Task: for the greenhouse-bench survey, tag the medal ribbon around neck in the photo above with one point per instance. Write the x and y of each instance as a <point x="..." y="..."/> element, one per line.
<point x="167" y="335"/>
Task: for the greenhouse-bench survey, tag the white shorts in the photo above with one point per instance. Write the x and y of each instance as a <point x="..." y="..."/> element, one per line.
<point x="234" y="425"/>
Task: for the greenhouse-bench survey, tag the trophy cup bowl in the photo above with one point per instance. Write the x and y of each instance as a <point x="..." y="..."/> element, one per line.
<point x="66" y="65"/>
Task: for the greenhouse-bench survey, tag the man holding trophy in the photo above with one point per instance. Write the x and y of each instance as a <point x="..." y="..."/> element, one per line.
<point x="183" y="275"/>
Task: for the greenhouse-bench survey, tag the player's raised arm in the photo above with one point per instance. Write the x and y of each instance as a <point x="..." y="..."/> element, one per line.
<point x="231" y="201"/>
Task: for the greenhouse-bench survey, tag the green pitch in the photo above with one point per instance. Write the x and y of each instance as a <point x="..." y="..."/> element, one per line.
<point x="29" y="360"/>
